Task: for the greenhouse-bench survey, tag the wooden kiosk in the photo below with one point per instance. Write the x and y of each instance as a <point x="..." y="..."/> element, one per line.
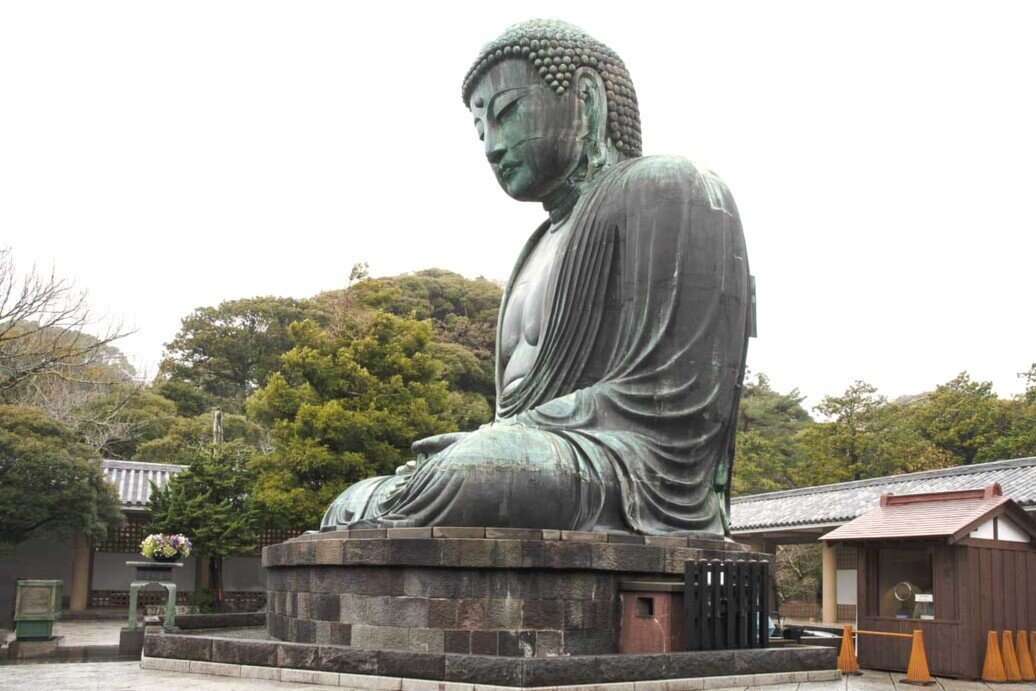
<point x="954" y="564"/>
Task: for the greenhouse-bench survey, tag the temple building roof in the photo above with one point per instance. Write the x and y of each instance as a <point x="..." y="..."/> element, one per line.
<point x="815" y="509"/>
<point x="133" y="480"/>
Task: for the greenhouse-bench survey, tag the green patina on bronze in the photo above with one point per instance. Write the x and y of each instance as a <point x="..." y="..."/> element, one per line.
<point x="623" y="328"/>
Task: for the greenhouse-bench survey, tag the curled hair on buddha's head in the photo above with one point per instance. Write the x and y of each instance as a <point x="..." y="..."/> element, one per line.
<point x="556" y="49"/>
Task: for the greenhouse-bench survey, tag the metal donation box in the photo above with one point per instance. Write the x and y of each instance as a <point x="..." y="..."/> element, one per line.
<point x="37" y="605"/>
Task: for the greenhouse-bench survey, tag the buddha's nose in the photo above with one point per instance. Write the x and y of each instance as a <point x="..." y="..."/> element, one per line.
<point x="495" y="153"/>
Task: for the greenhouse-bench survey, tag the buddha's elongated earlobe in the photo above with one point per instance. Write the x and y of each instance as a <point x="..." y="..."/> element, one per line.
<point x="591" y="92"/>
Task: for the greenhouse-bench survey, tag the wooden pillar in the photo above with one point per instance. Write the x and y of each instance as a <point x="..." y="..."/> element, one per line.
<point x="757" y="543"/>
<point x="82" y="555"/>
<point x="829" y="584"/>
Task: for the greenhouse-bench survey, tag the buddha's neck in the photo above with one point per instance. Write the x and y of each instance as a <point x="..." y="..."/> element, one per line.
<point x="560" y="201"/>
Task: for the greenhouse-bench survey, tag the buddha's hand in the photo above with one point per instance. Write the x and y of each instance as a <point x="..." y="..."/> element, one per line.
<point x="429" y="446"/>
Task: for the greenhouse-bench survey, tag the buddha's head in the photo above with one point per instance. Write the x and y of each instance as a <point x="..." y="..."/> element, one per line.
<point x="553" y="106"/>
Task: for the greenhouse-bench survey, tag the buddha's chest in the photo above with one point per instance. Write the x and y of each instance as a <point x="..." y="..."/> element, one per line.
<point x="528" y="305"/>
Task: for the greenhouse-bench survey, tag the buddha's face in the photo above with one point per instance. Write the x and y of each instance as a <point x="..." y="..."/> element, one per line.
<point x="533" y="136"/>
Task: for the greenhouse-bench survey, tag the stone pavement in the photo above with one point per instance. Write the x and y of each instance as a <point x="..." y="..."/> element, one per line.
<point x="129" y="675"/>
<point x="78" y="632"/>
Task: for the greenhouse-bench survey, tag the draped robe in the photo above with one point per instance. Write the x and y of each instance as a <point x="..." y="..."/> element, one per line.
<point x="625" y="421"/>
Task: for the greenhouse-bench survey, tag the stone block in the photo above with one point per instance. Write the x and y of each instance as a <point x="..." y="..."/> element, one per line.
<point x="352" y="609"/>
<point x="567" y="555"/>
<point x="514" y="533"/>
<point x="620" y="538"/>
<point x="371" y="681"/>
<point x="427" y="640"/>
<point x="414" y="552"/>
<point x="302" y="609"/>
<point x="165" y="664"/>
<point x="397" y="611"/>
<point x="617" y="668"/>
<point x="467" y="533"/>
<point x="330" y="552"/>
<point x="368" y="533"/>
<point x="533" y="553"/>
<point x="471" y="614"/>
<point x="438" y="583"/>
<point x="298" y="656"/>
<point x="368" y="637"/>
<point x="366" y="552"/>
<point x="324" y="606"/>
<point x="561" y="671"/>
<point x="341" y="634"/>
<point x="302" y="553"/>
<point x="589" y="642"/>
<point x="408" y="532"/>
<point x="278" y="626"/>
<point x="666" y="540"/>
<point x="442" y="613"/>
<point x="406" y="664"/>
<point x="305" y="631"/>
<point x="516" y="643"/>
<point x="504" y="614"/>
<point x="131" y="642"/>
<point x="551" y="534"/>
<point x="244" y="652"/>
<point x="323" y="633"/>
<point x="218" y="669"/>
<point x="484" y="643"/>
<point x="677" y="684"/>
<point x="543" y="614"/>
<point x="477" y="554"/>
<point x="332" y="658"/>
<point x="583" y="536"/>
<point x="265" y="673"/>
<point x="481" y="669"/>
<point x="618" y="557"/>
<point x="456" y="641"/>
<point x="549" y="644"/>
<point x="708" y="663"/>
<point x="290" y="601"/>
<point x="507" y="554"/>
<point x="183" y="647"/>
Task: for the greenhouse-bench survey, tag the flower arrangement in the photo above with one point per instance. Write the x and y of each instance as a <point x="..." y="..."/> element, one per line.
<point x="165" y="547"/>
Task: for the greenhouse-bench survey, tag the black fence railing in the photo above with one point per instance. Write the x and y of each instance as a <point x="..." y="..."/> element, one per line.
<point x="726" y="604"/>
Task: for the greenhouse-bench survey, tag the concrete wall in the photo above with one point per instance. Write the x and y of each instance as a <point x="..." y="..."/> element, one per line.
<point x="37" y="558"/>
<point x="244" y="574"/>
<point x="111" y="572"/>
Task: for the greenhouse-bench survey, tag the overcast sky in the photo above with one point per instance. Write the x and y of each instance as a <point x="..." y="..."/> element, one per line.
<point x="172" y="155"/>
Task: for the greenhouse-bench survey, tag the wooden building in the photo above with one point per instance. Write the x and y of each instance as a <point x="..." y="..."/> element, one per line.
<point x="954" y="564"/>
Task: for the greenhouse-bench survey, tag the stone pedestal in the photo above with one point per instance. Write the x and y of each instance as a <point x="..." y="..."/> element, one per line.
<point x="507" y="592"/>
<point x="24" y="650"/>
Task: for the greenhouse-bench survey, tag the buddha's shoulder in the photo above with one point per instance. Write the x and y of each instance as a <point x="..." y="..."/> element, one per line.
<point x="664" y="176"/>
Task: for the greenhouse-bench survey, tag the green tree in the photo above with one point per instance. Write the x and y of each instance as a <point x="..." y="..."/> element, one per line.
<point x="768" y="450"/>
<point x="966" y="419"/>
<point x="463" y="313"/>
<point x="50" y="483"/>
<point x="346" y="406"/>
<point x="225" y="353"/>
<point x="184" y="437"/>
<point x="212" y="503"/>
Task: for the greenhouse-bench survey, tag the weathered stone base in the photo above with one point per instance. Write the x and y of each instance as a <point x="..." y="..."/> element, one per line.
<point x="386" y="669"/>
<point x="469" y="591"/>
<point x="25" y="649"/>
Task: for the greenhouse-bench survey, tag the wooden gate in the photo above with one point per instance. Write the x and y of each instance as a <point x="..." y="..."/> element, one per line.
<point x="726" y="604"/>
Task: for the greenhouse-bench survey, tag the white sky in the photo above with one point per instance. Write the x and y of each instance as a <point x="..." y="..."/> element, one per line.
<point x="173" y="155"/>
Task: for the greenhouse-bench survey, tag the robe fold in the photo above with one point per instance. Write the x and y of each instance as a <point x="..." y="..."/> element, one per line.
<point x="626" y="418"/>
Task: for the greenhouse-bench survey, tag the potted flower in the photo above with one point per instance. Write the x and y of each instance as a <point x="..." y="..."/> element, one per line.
<point x="165" y="548"/>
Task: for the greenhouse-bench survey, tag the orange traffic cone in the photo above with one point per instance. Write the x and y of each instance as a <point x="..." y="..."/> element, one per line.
<point x="1032" y="647"/>
<point x="847" y="655"/>
<point x="917" y="670"/>
<point x="993" y="667"/>
<point x="1025" y="665"/>
<point x="1010" y="660"/>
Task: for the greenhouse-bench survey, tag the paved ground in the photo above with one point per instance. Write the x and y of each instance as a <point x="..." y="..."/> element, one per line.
<point x="128" y="675"/>
<point x="86" y="632"/>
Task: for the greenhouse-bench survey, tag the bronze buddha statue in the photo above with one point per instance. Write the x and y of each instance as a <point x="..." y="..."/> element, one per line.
<point x="623" y="328"/>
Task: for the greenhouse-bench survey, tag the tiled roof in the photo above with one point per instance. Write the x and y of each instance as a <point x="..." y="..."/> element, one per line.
<point x="829" y="505"/>
<point x="133" y="479"/>
<point x="938" y="514"/>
